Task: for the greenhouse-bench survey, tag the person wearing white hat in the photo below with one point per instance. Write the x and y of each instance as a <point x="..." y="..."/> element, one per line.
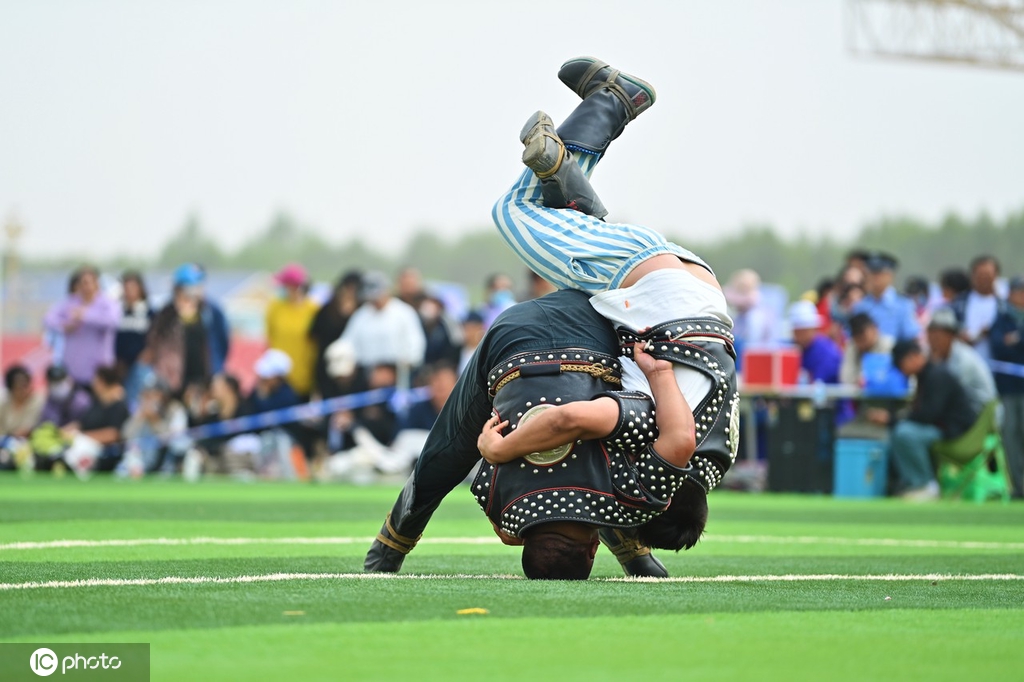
<point x="820" y="357"/>
<point x="272" y="391"/>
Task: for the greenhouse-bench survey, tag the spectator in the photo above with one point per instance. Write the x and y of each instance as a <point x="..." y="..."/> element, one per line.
<point x="223" y="401"/>
<point x="867" y="362"/>
<point x="272" y="390"/>
<point x="88" y="321"/>
<point x="852" y="274"/>
<point x="226" y="400"/>
<point x="752" y="322"/>
<point x="157" y="429"/>
<point x="136" y="316"/>
<point x="955" y="284"/>
<point x="850" y="295"/>
<point x="820" y="357"/>
<point x="342" y="370"/>
<point x="410" y="288"/>
<point x="893" y="313"/>
<point x="22" y="407"/>
<point x="371" y="456"/>
<point x="188" y="342"/>
<point x="960" y="359"/>
<point x="981" y="304"/>
<point x="857" y="259"/>
<point x="345" y="380"/>
<point x="499" y="296"/>
<point x="379" y="420"/>
<point x="103" y="422"/>
<point x="66" y="401"/>
<point x="941" y="410"/>
<point x="1007" y="343"/>
<point x="440" y="380"/>
<point x="865" y="338"/>
<point x="824" y="295"/>
<point x="53" y="339"/>
<point x="330" y="322"/>
<point x="537" y="286"/>
<point x="918" y="291"/>
<point x="273" y="445"/>
<point x="472" y="335"/>
<point x="132" y="330"/>
<point x="289" y="319"/>
<point x="218" y="335"/>
<point x="442" y="333"/>
<point x="384" y="330"/>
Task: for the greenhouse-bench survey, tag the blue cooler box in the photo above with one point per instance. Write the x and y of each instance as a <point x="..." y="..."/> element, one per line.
<point x="861" y="468"/>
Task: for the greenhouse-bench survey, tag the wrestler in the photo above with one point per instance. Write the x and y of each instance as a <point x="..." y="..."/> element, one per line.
<point x="653" y="291"/>
<point x="605" y="468"/>
<point x="551" y="350"/>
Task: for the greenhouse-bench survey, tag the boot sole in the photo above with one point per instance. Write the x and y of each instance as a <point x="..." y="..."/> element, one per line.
<point x="647" y="90"/>
<point x="543" y="155"/>
<point x="538" y="120"/>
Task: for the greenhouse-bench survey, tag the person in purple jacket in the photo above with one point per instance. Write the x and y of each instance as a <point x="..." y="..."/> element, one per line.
<point x="820" y="357"/>
<point x="88" y="320"/>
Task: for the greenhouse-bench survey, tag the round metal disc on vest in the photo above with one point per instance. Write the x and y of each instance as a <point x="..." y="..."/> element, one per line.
<point x="547" y="457"/>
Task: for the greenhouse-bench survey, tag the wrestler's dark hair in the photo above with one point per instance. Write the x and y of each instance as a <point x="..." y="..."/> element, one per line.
<point x="549" y="556"/>
<point x="681" y="525"/>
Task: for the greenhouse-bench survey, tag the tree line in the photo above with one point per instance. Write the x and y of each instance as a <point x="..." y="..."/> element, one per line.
<point x="797" y="263"/>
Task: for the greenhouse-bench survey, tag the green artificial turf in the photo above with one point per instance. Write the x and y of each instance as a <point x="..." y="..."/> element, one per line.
<point x="387" y="628"/>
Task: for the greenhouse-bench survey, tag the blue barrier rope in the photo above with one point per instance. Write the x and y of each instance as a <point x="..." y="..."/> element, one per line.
<point x="1010" y="368"/>
<point x="399" y="400"/>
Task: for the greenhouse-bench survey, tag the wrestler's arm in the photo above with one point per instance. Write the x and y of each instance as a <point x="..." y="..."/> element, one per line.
<point x="677" y="437"/>
<point x="557" y="425"/>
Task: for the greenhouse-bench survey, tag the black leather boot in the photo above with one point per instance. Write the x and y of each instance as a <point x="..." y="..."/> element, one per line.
<point x="388" y="550"/>
<point x="611" y="99"/>
<point x="634" y="557"/>
<point x="562" y="181"/>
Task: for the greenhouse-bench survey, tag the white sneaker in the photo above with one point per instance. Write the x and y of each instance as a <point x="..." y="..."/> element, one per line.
<point x="926" y="493"/>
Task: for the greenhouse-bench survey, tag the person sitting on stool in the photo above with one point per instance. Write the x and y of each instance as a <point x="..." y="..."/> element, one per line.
<point x="941" y="410"/>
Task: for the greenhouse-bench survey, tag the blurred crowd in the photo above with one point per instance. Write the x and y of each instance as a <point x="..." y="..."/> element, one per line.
<point x="130" y="383"/>
<point x="954" y="342"/>
<point x="136" y="389"/>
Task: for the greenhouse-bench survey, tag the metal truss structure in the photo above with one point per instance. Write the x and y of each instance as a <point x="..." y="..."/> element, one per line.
<point x="981" y="33"/>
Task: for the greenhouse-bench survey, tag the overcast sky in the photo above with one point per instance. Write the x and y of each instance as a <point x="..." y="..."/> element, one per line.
<point x="117" y="119"/>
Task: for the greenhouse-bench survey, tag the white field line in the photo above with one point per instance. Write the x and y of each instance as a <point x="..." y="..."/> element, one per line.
<point x="858" y="542"/>
<point x="287" y="577"/>
<point x="491" y="540"/>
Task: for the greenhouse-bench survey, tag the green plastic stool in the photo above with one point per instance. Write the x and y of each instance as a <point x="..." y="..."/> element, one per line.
<point x="963" y="463"/>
